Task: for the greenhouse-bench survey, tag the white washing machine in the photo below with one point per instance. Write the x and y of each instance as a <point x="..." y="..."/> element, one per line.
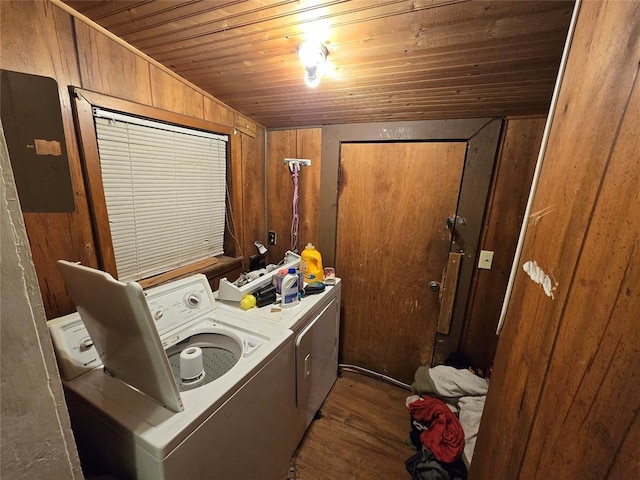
<point x="137" y="414"/>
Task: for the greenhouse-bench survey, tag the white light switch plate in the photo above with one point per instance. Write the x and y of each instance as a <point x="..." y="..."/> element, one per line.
<point x="485" y="260"/>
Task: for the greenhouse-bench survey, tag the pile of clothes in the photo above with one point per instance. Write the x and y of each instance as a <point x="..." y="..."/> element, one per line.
<point x="445" y="417"/>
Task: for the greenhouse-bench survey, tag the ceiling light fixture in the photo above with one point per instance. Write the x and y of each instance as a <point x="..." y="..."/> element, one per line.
<point x="313" y="56"/>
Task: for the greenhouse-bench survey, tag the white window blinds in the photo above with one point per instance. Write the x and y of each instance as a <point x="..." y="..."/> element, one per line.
<point x="164" y="187"/>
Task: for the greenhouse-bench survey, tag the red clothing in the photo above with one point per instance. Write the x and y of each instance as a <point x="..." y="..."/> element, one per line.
<point x="444" y="435"/>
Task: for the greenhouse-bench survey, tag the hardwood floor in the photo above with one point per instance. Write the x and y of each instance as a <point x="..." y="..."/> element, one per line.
<point x="361" y="435"/>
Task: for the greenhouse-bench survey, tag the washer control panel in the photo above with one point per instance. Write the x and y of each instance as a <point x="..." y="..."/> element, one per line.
<point x="74" y="348"/>
<point x="172" y="306"/>
<point x="178" y="303"/>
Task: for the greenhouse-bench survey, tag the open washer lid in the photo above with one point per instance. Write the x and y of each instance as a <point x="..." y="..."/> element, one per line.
<point x="120" y="324"/>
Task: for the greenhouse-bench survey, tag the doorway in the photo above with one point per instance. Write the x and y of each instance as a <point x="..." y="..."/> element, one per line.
<point x="392" y="241"/>
<point x="481" y="137"/>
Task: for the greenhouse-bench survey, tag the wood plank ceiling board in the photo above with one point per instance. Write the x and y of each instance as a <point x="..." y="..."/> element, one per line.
<point x="393" y="60"/>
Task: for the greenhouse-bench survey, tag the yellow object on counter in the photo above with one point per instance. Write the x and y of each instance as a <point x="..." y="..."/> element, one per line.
<point x="247" y="302"/>
<point x="311" y="264"/>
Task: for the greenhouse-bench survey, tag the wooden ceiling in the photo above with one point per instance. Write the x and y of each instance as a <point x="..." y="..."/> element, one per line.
<point x="390" y="60"/>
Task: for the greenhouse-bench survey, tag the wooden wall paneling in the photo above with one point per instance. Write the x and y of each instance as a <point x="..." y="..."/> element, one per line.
<point x="601" y="70"/>
<point x="160" y="89"/>
<point x="108" y="67"/>
<point x="37" y="38"/>
<point x="234" y="236"/>
<point x="595" y="364"/>
<point x="246" y="182"/>
<point x="111" y="41"/>
<point x="215" y="111"/>
<point x="281" y="145"/>
<point x="302" y="143"/>
<point x="309" y="145"/>
<point x="247" y="193"/>
<point x="171" y="94"/>
<point x="254" y="198"/>
<point x="245" y="125"/>
<point x="627" y="458"/>
<point x="505" y="210"/>
<point x="148" y="111"/>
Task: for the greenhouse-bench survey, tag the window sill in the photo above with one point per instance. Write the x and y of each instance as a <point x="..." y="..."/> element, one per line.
<point x="213" y="270"/>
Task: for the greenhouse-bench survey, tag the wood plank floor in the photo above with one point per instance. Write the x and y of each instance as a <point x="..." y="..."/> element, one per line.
<point x="361" y="435"/>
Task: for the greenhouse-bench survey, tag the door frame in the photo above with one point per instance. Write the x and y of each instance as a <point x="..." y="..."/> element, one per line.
<point x="482" y="136"/>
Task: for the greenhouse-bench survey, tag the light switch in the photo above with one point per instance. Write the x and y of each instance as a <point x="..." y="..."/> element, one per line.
<point x="485" y="260"/>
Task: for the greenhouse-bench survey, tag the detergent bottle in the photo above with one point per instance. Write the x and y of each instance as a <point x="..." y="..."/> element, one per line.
<point x="290" y="289"/>
<point x="311" y="264"/>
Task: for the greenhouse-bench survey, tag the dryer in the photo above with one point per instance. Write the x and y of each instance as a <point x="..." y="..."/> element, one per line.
<point x="315" y="322"/>
<point x="133" y="411"/>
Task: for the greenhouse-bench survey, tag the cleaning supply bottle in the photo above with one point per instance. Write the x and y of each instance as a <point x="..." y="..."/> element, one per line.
<point x="311" y="264"/>
<point x="290" y="289"/>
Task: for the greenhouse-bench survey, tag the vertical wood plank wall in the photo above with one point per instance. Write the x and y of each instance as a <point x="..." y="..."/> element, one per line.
<point x="564" y="400"/>
<point x="510" y="186"/>
<point x="41" y="39"/>
<point x="301" y="143"/>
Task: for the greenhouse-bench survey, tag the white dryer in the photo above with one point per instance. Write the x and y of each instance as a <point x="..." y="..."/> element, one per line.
<point x="134" y="411"/>
<point x="315" y="322"/>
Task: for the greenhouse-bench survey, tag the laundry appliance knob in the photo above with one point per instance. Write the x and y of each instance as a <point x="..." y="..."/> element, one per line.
<point x="193" y="300"/>
<point x="86" y="344"/>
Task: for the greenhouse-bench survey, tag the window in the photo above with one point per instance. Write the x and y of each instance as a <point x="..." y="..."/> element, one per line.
<point x="158" y="191"/>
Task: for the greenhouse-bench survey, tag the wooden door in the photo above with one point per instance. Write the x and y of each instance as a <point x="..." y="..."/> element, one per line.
<point x="392" y="240"/>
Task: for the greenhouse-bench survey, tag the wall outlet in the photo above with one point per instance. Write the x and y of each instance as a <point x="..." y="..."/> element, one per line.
<point x="272" y="237"/>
